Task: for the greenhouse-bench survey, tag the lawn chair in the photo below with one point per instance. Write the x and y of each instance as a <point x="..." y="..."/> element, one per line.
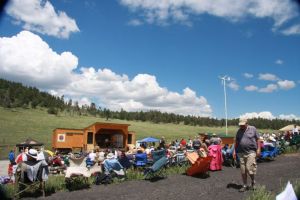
<point x="228" y="157"/>
<point x="178" y="159"/>
<point x="200" y="165"/>
<point x="77" y="167"/>
<point x="140" y="160"/>
<point x="113" y="167"/>
<point x="160" y="162"/>
<point x="31" y="175"/>
<point x="269" y="152"/>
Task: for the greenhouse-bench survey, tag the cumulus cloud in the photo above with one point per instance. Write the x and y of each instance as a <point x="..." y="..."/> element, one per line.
<point x="289" y="117"/>
<point x="162" y="12"/>
<point x="233" y="85"/>
<point x="279" y="62"/>
<point x="251" y="88"/>
<point x="263" y="115"/>
<point x="28" y="59"/>
<point x="269" y="89"/>
<point x="40" y="16"/>
<point x="143" y="92"/>
<point x="248" y="75"/>
<point x="286" y="84"/>
<point x="268" y="77"/>
<point x="269" y="115"/>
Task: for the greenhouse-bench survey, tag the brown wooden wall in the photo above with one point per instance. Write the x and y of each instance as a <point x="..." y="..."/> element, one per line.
<point x="77" y="138"/>
<point x="73" y="139"/>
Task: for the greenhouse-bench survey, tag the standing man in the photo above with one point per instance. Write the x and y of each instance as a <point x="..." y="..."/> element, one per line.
<point x="247" y="149"/>
<point x="295" y="130"/>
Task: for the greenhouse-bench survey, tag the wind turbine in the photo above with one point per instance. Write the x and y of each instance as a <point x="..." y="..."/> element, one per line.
<point x="224" y="79"/>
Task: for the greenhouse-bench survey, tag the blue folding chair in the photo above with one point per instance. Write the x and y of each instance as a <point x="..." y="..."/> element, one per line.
<point x="140" y="160"/>
<point x="160" y="162"/>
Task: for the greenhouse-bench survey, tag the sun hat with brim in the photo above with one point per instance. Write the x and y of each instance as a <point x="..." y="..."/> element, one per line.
<point x="272" y="139"/>
<point x="110" y="156"/>
<point x="32" y="153"/>
<point x="243" y="122"/>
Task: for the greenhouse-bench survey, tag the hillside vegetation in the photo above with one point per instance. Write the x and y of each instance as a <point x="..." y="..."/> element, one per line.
<point x="18" y="124"/>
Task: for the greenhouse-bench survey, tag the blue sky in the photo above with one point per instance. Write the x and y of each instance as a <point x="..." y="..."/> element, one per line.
<point x="162" y="55"/>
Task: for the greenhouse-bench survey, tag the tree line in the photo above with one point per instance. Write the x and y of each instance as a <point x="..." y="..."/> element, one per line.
<point x="13" y="95"/>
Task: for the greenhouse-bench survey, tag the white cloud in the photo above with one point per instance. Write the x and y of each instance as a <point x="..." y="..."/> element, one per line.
<point x="286" y="84"/>
<point x="135" y="22"/>
<point x="248" y="75"/>
<point x="269" y="115"/>
<point x="293" y="30"/>
<point x="233" y="85"/>
<point x="162" y="12"/>
<point x="263" y="115"/>
<point x="268" y="77"/>
<point x="289" y="117"/>
<point x="83" y="101"/>
<point x="251" y="88"/>
<point x="40" y="16"/>
<point x="269" y="89"/>
<point x="279" y="62"/>
<point x="28" y="59"/>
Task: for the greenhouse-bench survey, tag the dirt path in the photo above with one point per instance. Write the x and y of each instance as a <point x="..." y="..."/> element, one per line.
<point x="220" y="185"/>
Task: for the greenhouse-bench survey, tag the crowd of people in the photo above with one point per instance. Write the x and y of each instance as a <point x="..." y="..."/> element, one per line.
<point x="246" y="149"/>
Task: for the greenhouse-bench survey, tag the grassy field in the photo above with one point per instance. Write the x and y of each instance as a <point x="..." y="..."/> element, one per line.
<point x="18" y="124"/>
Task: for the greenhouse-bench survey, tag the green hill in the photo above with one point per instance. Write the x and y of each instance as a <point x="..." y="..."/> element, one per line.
<point x="18" y="124"/>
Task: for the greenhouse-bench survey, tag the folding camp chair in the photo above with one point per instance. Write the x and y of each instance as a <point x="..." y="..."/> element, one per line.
<point x="178" y="159"/>
<point x="160" y="162"/>
<point x="113" y="167"/>
<point x="140" y="160"/>
<point x="200" y="165"/>
<point x="31" y="175"/>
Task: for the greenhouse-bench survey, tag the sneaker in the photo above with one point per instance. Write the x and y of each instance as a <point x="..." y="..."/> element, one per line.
<point x="243" y="189"/>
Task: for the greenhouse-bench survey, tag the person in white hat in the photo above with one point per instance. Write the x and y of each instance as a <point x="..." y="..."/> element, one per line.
<point x="247" y="145"/>
<point x="32" y="155"/>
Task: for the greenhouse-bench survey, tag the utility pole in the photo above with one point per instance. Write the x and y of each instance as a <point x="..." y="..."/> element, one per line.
<point x="224" y="79"/>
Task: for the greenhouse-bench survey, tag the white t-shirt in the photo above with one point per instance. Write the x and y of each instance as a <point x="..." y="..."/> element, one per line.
<point x="295" y="130"/>
<point x="92" y="156"/>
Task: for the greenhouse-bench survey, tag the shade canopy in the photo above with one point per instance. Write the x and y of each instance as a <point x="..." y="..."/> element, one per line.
<point x="289" y="127"/>
<point x="149" y="139"/>
<point x="29" y="143"/>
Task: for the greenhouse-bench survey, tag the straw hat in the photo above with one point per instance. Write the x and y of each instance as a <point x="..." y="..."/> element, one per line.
<point x="110" y="156"/>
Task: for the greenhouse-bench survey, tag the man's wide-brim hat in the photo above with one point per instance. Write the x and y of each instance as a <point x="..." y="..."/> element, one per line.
<point x="32" y="153"/>
<point x="243" y="122"/>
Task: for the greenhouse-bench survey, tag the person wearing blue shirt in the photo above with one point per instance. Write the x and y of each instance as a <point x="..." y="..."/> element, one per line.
<point x="11" y="156"/>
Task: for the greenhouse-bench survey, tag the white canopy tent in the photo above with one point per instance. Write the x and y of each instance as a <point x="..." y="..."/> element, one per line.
<point x="289" y="127"/>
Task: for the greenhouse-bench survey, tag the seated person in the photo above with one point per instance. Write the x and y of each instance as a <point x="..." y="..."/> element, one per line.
<point x="33" y="166"/>
<point x="124" y="160"/>
<point x="112" y="164"/>
<point x="90" y="161"/>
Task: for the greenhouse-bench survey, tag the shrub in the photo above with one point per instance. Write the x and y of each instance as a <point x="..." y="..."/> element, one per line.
<point x="261" y="194"/>
<point x="77" y="183"/>
<point x="52" y="111"/>
<point x="54" y="184"/>
<point x="291" y="149"/>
